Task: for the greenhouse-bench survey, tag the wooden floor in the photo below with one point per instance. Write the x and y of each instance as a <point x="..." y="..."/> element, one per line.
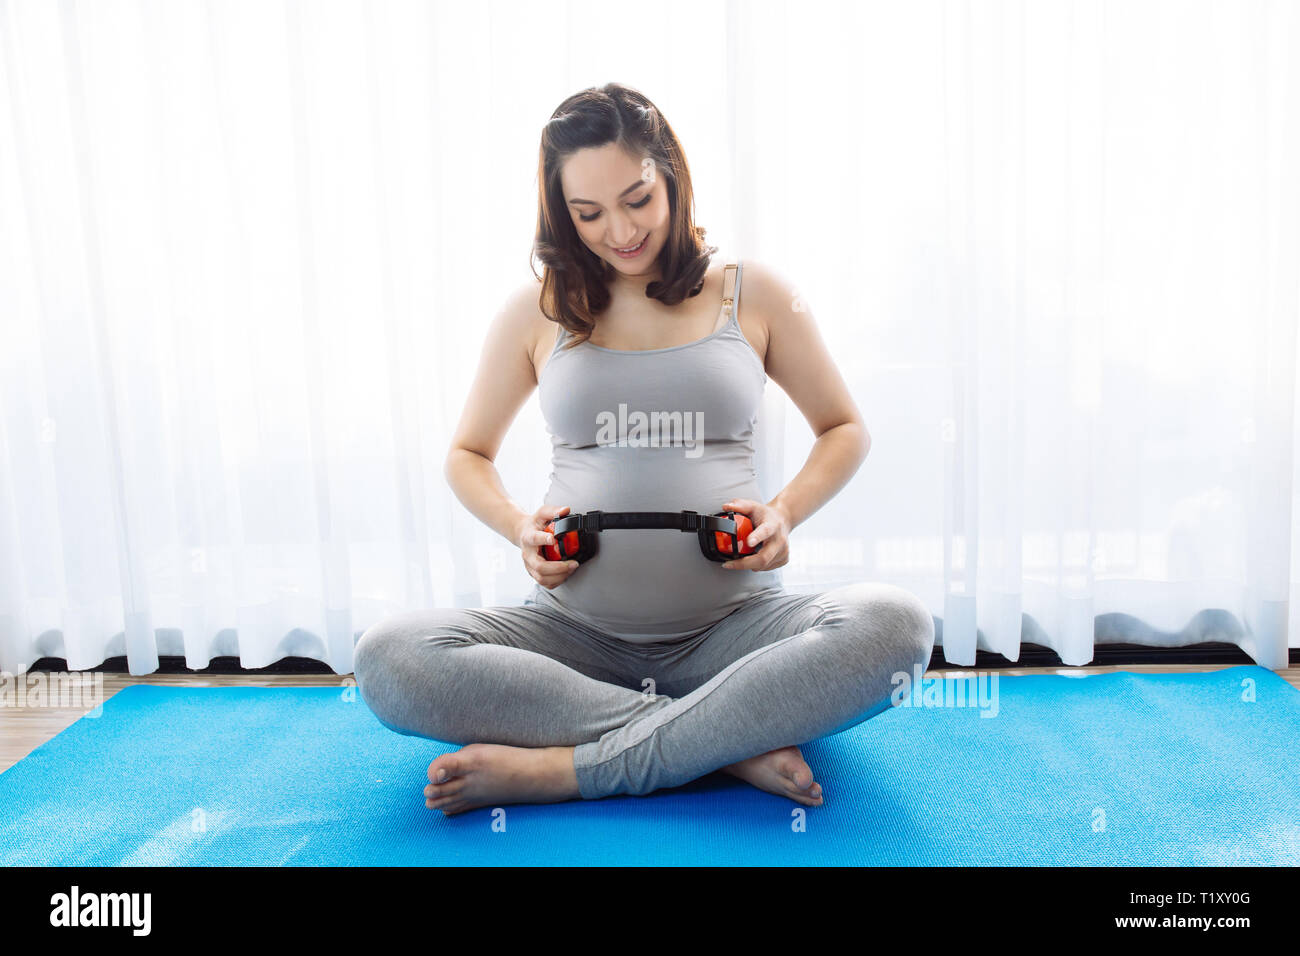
<point x="23" y="729"/>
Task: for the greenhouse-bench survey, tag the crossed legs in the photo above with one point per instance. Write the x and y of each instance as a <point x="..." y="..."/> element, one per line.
<point x="602" y="717"/>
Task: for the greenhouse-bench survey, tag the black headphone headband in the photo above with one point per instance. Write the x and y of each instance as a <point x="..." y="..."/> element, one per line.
<point x="595" y="521"/>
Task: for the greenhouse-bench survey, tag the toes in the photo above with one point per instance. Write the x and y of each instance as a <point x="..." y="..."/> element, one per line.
<point x="445" y="768"/>
<point x="435" y="790"/>
<point x="795" y="769"/>
<point x="443" y="803"/>
<point x="805" y="789"/>
<point x="808" y="800"/>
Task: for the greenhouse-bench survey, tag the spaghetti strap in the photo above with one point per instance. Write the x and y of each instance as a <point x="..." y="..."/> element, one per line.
<point x="735" y="306"/>
<point x="560" y="336"/>
<point x="729" y="283"/>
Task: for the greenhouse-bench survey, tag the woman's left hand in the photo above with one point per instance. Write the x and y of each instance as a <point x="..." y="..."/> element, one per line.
<point x="771" y="530"/>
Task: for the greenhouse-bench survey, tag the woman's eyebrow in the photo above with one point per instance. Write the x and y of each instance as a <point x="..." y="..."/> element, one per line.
<point x="588" y="202"/>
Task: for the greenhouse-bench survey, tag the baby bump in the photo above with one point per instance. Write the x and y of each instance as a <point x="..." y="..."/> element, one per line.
<point x="650" y="583"/>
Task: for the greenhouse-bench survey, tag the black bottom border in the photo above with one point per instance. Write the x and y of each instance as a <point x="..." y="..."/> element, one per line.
<point x="657" y="907"/>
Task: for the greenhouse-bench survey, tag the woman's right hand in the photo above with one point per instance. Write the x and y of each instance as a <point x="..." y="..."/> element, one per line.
<point x="532" y="537"/>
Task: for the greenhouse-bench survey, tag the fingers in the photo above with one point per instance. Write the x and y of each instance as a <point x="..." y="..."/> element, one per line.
<point x="547" y="513"/>
<point x="544" y="572"/>
<point x="759" y="562"/>
<point x="541" y="568"/>
<point x="539" y="537"/>
<point x="547" y="573"/>
<point x="550" y="573"/>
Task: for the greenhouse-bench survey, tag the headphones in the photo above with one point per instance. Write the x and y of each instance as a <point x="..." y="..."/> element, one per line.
<point x="722" y="536"/>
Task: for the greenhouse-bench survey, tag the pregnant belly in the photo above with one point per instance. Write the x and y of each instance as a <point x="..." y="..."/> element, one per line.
<point x="647" y="584"/>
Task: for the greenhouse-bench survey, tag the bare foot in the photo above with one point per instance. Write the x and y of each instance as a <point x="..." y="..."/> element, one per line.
<point x="782" y="771"/>
<point x="480" y="775"/>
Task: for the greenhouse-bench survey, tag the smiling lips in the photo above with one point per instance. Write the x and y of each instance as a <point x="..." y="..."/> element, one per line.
<point x="634" y="248"/>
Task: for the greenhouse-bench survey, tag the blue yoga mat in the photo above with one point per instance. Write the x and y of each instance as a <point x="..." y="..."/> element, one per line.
<point x="1114" y="769"/>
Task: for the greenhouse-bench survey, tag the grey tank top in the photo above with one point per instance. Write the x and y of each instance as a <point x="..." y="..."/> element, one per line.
<point x="666" y="429"/>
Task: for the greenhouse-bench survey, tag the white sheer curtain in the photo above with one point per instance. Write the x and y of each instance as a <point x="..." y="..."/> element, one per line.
<point x="248" y="252"/>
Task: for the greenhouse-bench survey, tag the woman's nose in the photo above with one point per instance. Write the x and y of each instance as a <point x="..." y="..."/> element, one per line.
<point x="623" y="234"/>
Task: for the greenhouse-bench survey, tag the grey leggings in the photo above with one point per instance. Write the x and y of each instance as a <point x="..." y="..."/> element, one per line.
<point x="782" y="670"/>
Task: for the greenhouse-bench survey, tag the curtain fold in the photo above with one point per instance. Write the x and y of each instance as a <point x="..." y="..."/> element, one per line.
<point x="249" y="251"/>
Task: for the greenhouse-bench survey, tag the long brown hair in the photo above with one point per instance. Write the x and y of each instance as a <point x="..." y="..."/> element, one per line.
<point x="575" y="281"/>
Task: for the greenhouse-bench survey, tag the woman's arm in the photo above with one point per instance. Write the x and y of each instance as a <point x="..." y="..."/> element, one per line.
<point x="835" y="458"/>
<point x="503" y="382"/>
<point x="797" y="359"/>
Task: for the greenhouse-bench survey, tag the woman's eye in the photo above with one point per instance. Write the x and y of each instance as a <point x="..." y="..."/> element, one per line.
<point x="634" y="205"/>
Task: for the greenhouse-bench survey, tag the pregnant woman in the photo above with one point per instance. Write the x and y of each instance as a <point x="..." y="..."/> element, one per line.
<point x="647" y="665"/>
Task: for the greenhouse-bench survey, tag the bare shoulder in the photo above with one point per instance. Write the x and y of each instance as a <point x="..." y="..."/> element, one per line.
<point x="522" y="304"/>
<point x="765" y="289"/>
<point x="766" y="297"/>
<point x="504" y="378"/>
<point x="523" y="314"/>
<point x="796" y="356"/>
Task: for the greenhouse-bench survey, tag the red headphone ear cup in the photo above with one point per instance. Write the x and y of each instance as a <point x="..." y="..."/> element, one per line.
<point x="571" y="544"/>
<point x="551" y="552"/>
<point x="569" y="540"/>
<point x="744" y="527"/>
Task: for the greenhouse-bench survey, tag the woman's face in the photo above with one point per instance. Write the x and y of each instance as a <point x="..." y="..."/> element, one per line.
<point x="616" y="202"/>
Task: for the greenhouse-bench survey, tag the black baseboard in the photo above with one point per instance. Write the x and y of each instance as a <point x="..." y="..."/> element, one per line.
<point x="1113" y="655"/>
<point x="176" y="665"/>
<point x="1031" y="655"/>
